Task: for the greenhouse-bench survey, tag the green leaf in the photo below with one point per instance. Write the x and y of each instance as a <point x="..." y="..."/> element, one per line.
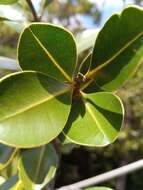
<point x="6" y="155"/>
<point x="49" y="49"/>
<point x="8" y="64"/>
<point x="30" y="104"/>
<point x="86" y="39"/>
<point x="37" y="167"/>
<point x="118" y="50"/>
<point x="12" y="184"/>
<point x="98" y="188"/>
<point x="95" y="120"/>
<point x="8" y="2"/>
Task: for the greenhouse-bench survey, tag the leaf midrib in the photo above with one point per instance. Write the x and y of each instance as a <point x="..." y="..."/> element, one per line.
<point x="50" y="56"/>
<point x="92" y="72"/>
<point x="95" y="120"/>
<point x="35" y="104"/>
<point x="41" y="155"/>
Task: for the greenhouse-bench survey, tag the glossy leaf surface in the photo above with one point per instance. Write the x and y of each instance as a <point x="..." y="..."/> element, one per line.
<point x="118" y="50"/>
<point x="37" y="167"/>
<point x="95" y="120"/>
<point x="30" y="104"/>
<point x="6" y="155"/>
<point x="49" y="49"/>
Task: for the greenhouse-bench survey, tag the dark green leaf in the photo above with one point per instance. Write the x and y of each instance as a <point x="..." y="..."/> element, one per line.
<point x="37" y="167"/>
<point x="30" y="105"/>
<point x="6" y="155"/>
<point x="49" y="49"/>
<point x="118" y="50"/>
<point x="96" y="120"/>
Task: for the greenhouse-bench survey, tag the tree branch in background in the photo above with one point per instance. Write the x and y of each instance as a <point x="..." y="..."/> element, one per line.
<point x="122" y="171"/>
<point x="35" y="16"/>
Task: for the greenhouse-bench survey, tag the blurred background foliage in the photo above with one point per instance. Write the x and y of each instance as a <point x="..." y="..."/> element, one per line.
<point x="79" y="162"/>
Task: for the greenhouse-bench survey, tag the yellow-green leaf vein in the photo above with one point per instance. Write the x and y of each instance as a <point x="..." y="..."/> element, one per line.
<point x="50" y="97"/>
<point x="39" y="162"/>
<point x="95" y="119"/>
<point x="92" y="72"/>
<point x="51" y="57"/>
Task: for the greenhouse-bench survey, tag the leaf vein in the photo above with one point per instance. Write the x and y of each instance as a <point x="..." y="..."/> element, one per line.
<point x="39" y="162"/>
<point x="95" y="120"/>
<point x="92" y="72"/>
<point x="50" y="56"/>
<point x="35" y="104"/>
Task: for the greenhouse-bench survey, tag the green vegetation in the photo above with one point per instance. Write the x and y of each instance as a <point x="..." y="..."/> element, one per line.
<point x="61" y="97"/>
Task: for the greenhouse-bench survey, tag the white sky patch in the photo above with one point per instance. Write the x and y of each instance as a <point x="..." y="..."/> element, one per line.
<point x="129" y="1"/>
<point x="99" y="3"/>
<point x="117" y="3"/>
<point x="36" y="4"/>
<point x="107" y="3"/>
<point x="108" y="7"/>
